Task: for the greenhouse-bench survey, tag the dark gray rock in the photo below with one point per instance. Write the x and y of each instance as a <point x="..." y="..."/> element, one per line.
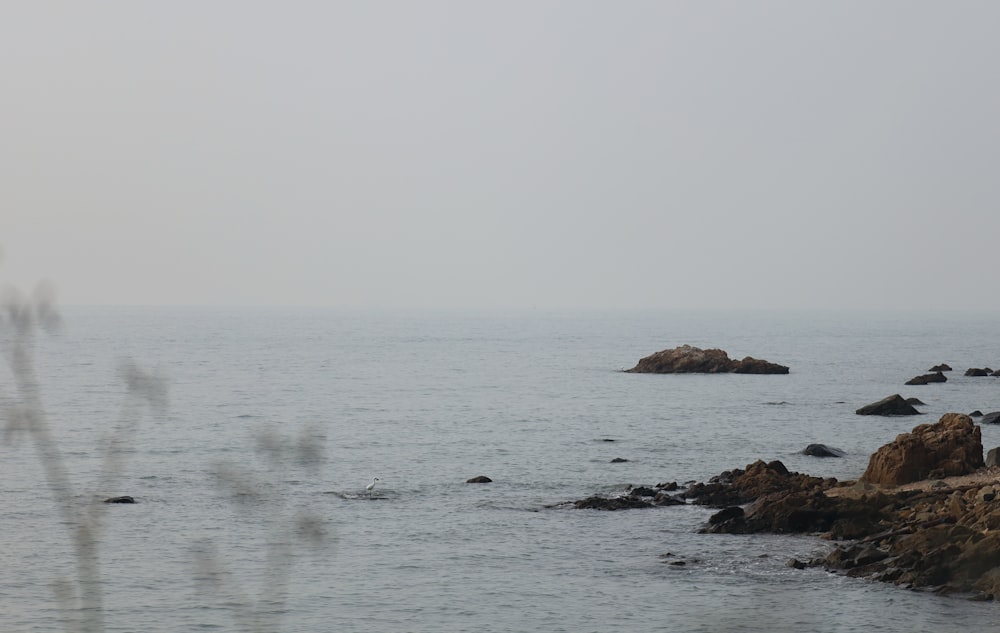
<point x="992" y="417"/>
<point x="822" y="450"/>
<point x="941" y="367"/>
<point x="891" y="405"/>
<point x="120" y="500"/>
<point x="927" y="379"/>
<point x="619" y="460"/>
<point x="915" y="402"/>
<point x="976" y="414"/>
<point x="732" y="513"/>
<point x="976" y="371"/>
<point x="481" y="479"/>
<point x="613" y="503"/>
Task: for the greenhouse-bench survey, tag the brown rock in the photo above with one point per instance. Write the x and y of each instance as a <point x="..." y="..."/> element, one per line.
<point x="688" y="359"/>
<point x="737" y="486"/>
<point x="952" y="446"/>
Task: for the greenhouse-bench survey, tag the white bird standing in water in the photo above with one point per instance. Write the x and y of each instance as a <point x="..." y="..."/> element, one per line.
<point x="370" y="487"/>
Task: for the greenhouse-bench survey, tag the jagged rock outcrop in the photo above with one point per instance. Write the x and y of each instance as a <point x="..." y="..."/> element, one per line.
<point x="633" y="498"/>
<point x="740" y="486"/>
<point x="944" y="538"/>
<point x="952" y="446"/>
<point x="688" y="359"/>
<point x="891" y="405"/>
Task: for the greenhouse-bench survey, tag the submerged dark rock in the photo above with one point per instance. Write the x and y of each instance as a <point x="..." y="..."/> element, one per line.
<point x="941" y="367"/>
<point x="119" y="500"/>
<point x="993" y="417"/>
<point x="891" y="405"/>
<point x="634" y="498"/>
<point x="688" y="359"/>
<point x="927" y="379"/>
<point x="612" y="503"/>
<point x="481" y="479"/>
<point x="822" y="450"/>
<point x="976" y="371"/>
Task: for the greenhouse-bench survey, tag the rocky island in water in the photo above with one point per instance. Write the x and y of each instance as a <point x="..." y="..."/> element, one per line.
<point x="687" y="359"/>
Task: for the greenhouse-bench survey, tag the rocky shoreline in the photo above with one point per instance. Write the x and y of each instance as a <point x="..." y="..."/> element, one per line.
<point x="924" y="515"/>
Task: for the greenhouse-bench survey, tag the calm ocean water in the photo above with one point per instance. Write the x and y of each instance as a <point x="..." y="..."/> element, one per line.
<point x="424" y="402"/>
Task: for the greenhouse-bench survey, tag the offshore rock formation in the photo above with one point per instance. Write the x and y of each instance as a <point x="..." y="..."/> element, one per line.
<point x="632" y="499"/>
<point x="822" y="450"/>
<point x="951" y="447"/>
<point x="688" y="359"/>
<point x="891" y="405"/>
<point x="927" y="379"/>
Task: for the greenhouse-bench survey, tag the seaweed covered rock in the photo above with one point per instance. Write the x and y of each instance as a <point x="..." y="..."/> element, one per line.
<point x="688" y="359"/>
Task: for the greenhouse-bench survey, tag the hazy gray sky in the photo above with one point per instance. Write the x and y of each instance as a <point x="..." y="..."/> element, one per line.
<point x="503" y="154"/>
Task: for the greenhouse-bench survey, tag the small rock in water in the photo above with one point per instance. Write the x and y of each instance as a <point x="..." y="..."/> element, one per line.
<point x="120" y="500"/>
<point x="795" y="563"/>
<point x="481" y="479"/>
<point x="891" y="405"/>
<point x="993" y="417"/>
<point x="822" y="450"/>
<point x="619" y="460"/>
